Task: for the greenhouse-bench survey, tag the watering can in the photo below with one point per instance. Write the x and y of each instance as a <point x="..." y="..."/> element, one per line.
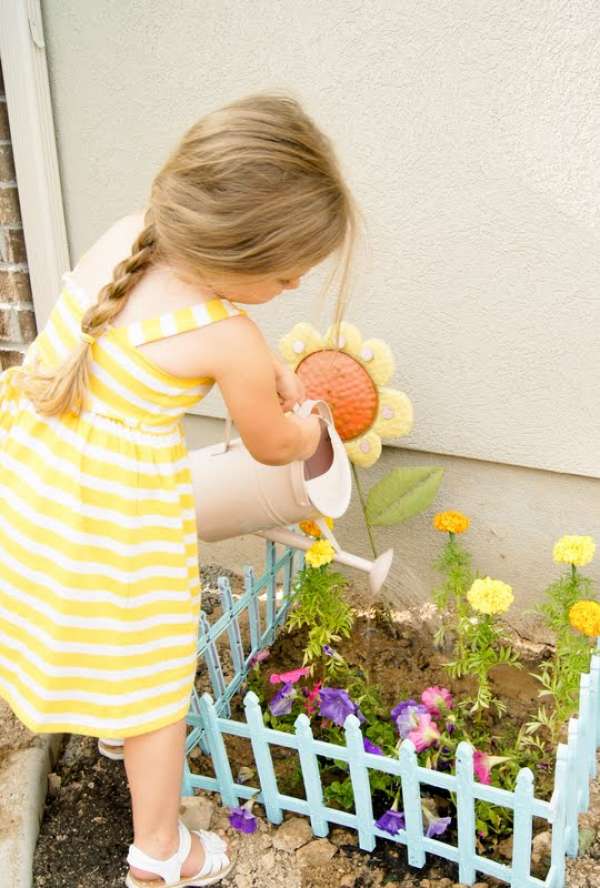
<point x="237" y="495"/>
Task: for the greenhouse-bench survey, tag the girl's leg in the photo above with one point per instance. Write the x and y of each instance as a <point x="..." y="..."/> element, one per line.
<point x="154" y="766"/>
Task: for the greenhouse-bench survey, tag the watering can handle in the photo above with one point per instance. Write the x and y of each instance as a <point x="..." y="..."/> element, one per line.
<point x="304" y="409"/>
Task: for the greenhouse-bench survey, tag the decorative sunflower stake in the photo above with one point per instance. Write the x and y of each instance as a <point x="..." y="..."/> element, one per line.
<point x="351" y="374"/>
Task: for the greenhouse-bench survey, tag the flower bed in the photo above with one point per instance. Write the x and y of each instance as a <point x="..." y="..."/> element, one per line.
<point x="345" y="778"/>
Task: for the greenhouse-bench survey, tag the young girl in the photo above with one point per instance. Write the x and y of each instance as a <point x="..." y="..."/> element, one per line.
<point x="99" y="584"/>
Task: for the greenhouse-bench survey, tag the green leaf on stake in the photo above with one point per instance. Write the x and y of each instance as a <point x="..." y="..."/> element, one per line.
<point x="401" y="494"/>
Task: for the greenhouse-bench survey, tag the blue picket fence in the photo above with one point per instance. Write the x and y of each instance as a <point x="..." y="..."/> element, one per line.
<point x="210" y="721"/>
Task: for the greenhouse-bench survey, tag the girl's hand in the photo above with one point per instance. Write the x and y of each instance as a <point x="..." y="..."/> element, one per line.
<point x="290" y="388"/>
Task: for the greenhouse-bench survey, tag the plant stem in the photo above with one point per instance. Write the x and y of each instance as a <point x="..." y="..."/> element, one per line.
<point x="364" y="511"/>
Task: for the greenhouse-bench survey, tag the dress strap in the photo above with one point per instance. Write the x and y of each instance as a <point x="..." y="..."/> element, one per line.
<point x="180" y="321"/>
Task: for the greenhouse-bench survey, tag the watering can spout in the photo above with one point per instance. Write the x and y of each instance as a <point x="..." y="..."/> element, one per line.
<point x="376" y="571"/>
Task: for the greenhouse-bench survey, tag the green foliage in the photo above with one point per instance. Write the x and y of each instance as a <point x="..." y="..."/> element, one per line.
<point x="401" y="494"/>
<point x="483" y="645"/>
<point x="450" y="597"/>
<point x="339" y="793"/>
<point x="559" y="676"/>
<point x="319" y="603"/>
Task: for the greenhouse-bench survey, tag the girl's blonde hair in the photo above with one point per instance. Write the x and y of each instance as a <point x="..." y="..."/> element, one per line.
<point x="253" y="188"/>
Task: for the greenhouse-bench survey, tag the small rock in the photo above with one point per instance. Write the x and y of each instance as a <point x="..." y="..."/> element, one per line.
<point x="267" y="861"/>
<point x="425" y="883"/>
<point x="54" y="782"/>
<point x="480" y="885"/>
<point x="242" y="881"/>
<point x="196" y="812"/>
<point x="316" y="853"/>
<point x="445" y="883"/>
<point x="292" y="834"/>
<point x="341" y="837"/>
<point x="347" y="881"/>
<point x="587" y="837"/>
<point x="195" y="753"/>
<point x="505" y="848"/>
<point x="541" y="847"/>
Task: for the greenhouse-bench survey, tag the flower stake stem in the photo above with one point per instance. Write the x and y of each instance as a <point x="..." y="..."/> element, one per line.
<point x="363" y="505"/>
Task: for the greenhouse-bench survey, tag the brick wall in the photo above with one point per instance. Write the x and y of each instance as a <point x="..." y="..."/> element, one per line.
<point x="17" y="320"/>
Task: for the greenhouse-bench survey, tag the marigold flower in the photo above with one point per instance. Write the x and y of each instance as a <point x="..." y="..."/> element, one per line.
<point x="490" y="596"/>
<point x="578" y="550"/>
<point x="312" y="529"/>
<point x="451" y="522"/>
<point x="320" y="553"/>
<point x="585" y="617"/>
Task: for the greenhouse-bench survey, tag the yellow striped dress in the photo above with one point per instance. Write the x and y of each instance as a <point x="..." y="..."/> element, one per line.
<point x="99" y="583"/>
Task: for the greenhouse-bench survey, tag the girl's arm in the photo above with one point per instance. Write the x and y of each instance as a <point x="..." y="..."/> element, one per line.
<point x="236" y="355"/>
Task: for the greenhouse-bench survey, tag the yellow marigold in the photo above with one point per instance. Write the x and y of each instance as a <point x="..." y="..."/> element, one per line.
<point x="585" y="616"/>
<point x="311" y="528"/>
<point x="451" y="522"/>
<point x="320" y="553"/>
<point x="577" y="550"/>
<point x="490" y="596"/>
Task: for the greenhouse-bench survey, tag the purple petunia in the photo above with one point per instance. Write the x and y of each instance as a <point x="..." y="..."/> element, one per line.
<point x="437" y="826"/>
<point x="371" y="747"/>
<point x="392" y="822"/>
<point x="336" y="705"/>
<point x="406" y="716"/>
<point x="243" y="819"/>
<point x="328" y="650"/>
<point x="281" y="702"/>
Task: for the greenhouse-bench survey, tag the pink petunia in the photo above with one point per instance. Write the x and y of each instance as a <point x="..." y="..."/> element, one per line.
<point x="289" y="677"/>
<point x="481" y="766"/>
<point x="426" y="733"/>
<point x="436" y="699"/>
<point x="312" y="697"/>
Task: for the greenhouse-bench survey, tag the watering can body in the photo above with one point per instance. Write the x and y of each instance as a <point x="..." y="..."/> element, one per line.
<point x="236" y="495"/>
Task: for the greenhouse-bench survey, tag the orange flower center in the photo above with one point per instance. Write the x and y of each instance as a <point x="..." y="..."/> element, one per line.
<point x="347" y="387"/>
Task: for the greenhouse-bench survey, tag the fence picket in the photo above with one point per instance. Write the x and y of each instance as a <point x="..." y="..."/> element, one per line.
<point x="262" y="757"/>
<point x="213" y="662"/>
<point x="271" y="589"/>
<point x="572" y="800"/>
<point x="361" y="787"/>
<point x="594" y="712"/>
<point x="522" y="829"/>
<point x="411" y="803"/>
<point x="465" y="812"/>
<point x="253" y="610"/>
<point x="585" y="747"/>
<point x="309" y="765"/>
<point x="556" y="873"/>
<point x="233" y="626"/>
<point x="218" y="752"/>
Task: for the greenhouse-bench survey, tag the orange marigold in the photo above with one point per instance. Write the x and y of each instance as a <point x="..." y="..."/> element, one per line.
<point x="451" y="522"/>
<point x="585" y="617"/>
<point x="312" y="529"/>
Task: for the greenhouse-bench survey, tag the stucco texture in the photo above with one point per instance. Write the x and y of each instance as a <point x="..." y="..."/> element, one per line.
<point x="470" y="135"/>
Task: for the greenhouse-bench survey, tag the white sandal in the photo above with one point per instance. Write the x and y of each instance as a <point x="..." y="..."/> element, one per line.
<point x="216" y="862"/>
<point x="112" y="749"/>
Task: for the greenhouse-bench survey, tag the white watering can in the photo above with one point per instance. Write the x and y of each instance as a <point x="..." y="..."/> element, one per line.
<point x="237" y="495"/>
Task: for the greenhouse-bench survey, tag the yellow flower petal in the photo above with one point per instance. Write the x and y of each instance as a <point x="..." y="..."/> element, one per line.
<point x="490" y="596"/>
<point x="301" y="341"/>
<point x="349" y="338"/>
<point x="573" y="549"/>
<point x="377" y="357"/>
<point x="395" y="415"/>
<point x="320" y="553"/>
<point x="365" y="450"/>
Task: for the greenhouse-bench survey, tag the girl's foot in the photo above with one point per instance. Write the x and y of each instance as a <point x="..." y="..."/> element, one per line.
<point x="191" y="866"/>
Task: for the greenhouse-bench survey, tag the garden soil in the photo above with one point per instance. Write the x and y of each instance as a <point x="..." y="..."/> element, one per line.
<point x="87" y="826"/>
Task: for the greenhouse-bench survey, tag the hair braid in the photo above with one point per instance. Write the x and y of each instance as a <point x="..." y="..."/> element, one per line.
<point x="63" y="390"/>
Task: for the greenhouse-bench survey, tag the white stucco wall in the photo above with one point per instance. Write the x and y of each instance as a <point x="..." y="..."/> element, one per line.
<point x="470" y="134"/>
